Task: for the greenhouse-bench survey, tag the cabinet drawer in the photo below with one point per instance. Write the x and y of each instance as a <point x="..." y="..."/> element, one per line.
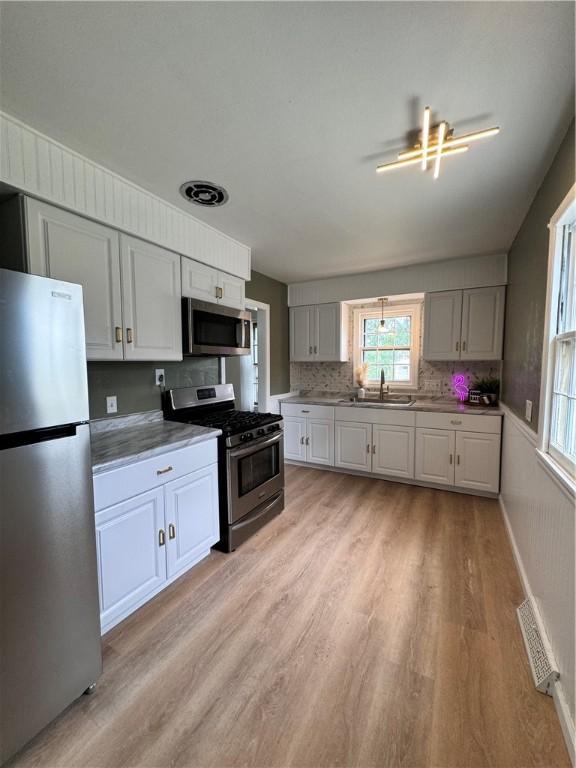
<point x="459" y="421"/>
<point x="390" y="418"/>
<point x="123" y="483"/>
<point x="312" y="411"/>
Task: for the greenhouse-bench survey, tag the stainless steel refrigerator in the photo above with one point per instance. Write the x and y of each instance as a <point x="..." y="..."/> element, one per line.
<point x="49" y="617"/>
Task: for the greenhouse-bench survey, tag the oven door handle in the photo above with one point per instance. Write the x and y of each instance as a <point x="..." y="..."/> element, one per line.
<point x="237" y="453"/>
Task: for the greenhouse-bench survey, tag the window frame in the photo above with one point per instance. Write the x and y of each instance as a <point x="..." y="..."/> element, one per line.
<point x="414" y="309"/>
<point x="555" y="460"/>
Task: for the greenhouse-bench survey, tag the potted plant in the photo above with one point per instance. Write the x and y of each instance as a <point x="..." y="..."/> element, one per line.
<point x="489" y="389"/>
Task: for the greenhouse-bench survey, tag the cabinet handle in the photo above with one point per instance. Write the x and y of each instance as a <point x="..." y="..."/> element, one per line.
<point x="373" y="449"/>
<point x="129" y="337"/>
<point x="171" y="531"/>
<point x="368" y="448"/>
<point x="307" y="441"/>
<point x="458" y="458"/>
<point x="310" y="350"/>
<point x="457" y="345"/>
<point x="118" y="334"/>
<point x="463" y="346"/>
<point x="302" y="440"/>
<point x="219" y="292"/>
<point x="451" y="458"/>
<point x="163" y="471"/>
<point x="161" y="538"/>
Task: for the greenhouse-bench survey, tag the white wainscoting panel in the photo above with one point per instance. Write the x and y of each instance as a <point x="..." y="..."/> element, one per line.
<point x="43" y="168"/>
<point x="443" y="275"/>
<point x="540" y="515"/>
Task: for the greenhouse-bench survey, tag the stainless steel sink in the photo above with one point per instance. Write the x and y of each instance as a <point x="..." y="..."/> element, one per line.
<point x="399" y="401"/>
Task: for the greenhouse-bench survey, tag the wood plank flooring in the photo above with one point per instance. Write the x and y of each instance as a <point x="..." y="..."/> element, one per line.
<point x="371" y="624"/>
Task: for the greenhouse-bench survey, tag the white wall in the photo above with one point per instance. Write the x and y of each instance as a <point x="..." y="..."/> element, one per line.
<point x="541" y="515"/>
<point x="446" y="275"/>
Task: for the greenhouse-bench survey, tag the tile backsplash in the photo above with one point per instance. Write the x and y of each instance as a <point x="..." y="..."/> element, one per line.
<point x="434" y="377"/>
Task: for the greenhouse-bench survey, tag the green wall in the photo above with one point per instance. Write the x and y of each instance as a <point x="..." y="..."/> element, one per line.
<point x="269" y="291"/>
<point x="526" y="292"/>
<point x="133" y="383"/>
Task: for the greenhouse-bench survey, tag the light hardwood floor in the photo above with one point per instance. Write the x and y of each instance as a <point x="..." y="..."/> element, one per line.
<point x="371" y="624"/>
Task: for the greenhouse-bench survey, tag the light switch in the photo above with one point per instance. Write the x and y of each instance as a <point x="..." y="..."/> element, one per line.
<point x="528" y="413"/>
<point x="111" y="404"/>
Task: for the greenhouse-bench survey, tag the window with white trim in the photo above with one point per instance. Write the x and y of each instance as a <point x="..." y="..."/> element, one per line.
<point x="562" y="353"/>
<point x="392" y="347"/>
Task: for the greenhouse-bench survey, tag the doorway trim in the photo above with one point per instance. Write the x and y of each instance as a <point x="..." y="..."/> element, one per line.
<point x="263" y="311"/>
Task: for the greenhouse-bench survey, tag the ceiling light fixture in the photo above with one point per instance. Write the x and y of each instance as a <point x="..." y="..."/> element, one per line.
<point x="435" y="144"/>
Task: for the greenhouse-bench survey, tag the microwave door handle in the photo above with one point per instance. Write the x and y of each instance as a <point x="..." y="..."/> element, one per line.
<point x="240" y="334"/>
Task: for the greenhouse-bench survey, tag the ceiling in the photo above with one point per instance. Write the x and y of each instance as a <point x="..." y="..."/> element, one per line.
<point x="291" y="105"/>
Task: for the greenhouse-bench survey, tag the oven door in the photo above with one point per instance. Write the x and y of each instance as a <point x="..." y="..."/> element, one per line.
<point x="255" y="474"/>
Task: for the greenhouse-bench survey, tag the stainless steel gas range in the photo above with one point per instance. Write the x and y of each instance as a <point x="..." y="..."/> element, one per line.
<point x="250" y="457"/>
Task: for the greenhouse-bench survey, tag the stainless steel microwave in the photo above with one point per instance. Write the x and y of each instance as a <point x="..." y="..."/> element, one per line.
<point x="209" y="329"/>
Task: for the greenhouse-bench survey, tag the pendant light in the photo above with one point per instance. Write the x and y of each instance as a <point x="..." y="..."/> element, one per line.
<point x="382" y="301"/>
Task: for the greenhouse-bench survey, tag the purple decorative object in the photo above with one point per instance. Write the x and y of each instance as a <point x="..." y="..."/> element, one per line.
<point x="460" y="386"/>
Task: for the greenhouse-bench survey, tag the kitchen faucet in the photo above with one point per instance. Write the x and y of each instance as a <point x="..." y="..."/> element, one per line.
<point x="382" y="382"/>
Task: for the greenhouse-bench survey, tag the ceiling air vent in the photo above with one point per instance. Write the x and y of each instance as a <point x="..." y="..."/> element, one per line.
<point x="204" y="193"/>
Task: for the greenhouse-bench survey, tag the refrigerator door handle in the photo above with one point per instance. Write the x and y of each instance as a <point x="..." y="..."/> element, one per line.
<point x="32" y="436"/>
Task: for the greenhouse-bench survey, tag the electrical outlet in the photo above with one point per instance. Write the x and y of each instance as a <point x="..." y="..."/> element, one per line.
<point x="112" y="404"/>
<point x="528" y="413"/>
<point x="160" y="380"/>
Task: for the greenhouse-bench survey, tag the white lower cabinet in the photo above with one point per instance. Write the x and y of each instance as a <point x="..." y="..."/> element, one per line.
<point x="393" y="450"/>
<point x="435" y="455"/>
<point x="191" y="518"/>
<point x="146" y="541"/>
<point x="477" y="461"/>
<point x="353" y="445"/>
<point x="309" y="433"/>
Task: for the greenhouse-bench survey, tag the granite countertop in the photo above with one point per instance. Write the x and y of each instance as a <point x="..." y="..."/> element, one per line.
<point x="422" y="403"/>
<point x="127" y="439"/>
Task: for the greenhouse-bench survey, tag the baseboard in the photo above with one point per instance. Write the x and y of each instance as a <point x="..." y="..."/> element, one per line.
<point x="566" y="722"/>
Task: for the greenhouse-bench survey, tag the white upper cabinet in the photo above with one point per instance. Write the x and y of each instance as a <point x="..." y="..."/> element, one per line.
<point x="67" y="247"/>
<point x="464" y="325"/>
<point x="151" y="301"/>
<point x="319" y="333"/>
<point x="482" y="323"/>
<point x="442" y="322"/>
<point x="208" y="284"/>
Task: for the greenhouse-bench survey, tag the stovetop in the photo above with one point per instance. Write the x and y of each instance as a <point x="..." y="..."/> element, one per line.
<point x="214" y="407"/>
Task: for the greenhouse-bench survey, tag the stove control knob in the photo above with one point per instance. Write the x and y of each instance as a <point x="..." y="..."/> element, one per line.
<point x="260" y="432"/>
<point x="273" y="428"/>
<point x="245" y="437"/>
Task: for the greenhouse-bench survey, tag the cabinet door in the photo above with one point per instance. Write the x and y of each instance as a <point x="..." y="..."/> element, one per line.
<point x="151" y="301"/>
<point x="192" y="524"/>
<point x="302" y="333"/>
<point x="435" y="455"/>
<point x="68" y="247"/>
<point x="199" y="281"/>
<point x="232" y="291"/>
<point x="320" y="441"/>
<point x="482" y="323"/>
<point x="442" y="323"/>
<point x="393" y="450"/>
<point x="478" y="461"/>
<point x="353" y="445"/>
<point x="326" y="340"/>
<point x="295" y="438"/>
<point x="131" y="559"/>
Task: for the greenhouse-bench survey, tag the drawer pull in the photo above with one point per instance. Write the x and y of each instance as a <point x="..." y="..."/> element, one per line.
<point x="118" y="331"/>
<point x="455" y="421"/>
<point x="304" y="411"/>
<point x="163" y="471"/>
<point x="161" y="538"/>
<point x="129" y="335"/>
<point x="171" y="531"/>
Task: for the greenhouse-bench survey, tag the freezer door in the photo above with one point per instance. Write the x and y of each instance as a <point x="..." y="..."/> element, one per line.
<point x="49" y="613"/>
<point x="42" y="353"/>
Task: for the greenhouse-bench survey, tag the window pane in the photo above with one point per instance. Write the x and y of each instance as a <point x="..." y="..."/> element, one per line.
<point x="370" y="340"/>
<point x="564" y="364"/>
<point x="373" y="372"/>
<point x="369" y="356"/>
<point x="401" y="373"/>
<point x="386" y="357"/>
<point x="559" y="420"/>
<point x="387" y="339"/>
<point x="371" y="325"/>
<point x="402" y="356"/>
